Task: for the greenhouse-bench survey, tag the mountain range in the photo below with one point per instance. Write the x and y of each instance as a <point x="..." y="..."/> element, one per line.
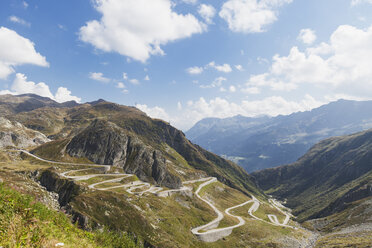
<point x="330" y="187"/>
<point x="127" y="180"/>
<point x="265" y="142"/>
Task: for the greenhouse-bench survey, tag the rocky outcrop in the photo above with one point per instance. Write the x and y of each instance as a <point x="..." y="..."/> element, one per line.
<point x="66" y="189"/>
<point x="14" y="134"/>
<point x="105" y="143"/>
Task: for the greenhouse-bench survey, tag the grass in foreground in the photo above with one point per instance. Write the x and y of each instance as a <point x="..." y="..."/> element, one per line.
<point x="27" y="223"/>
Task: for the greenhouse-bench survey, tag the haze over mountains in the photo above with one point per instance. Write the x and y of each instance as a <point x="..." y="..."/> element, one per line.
<point x="264" y="142"/>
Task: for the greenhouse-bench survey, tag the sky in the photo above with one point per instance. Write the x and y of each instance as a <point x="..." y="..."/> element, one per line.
<point x="185" y="60"/>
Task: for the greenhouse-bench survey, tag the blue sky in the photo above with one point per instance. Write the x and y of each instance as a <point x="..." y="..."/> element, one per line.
<point x="184" y="60"/>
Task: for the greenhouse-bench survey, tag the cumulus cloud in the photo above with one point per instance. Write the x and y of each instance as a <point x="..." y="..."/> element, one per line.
<point x="120" y="85"/>
<point x="207" y="12"/>
<point x="134" y="81"/>
<point x="307" y="36"/>
<point x="356" y="2"/>
<point x="19" y="20"/>
<point x="154" y="112"/>
<point x="195" y="70"/>
<point x="226" y="68"/>
<point x="190" y="1"/>
<point x="125" y="76"/>
<point x="232" y="88"/>
<point x="22" y="86"/>
<point x="272" y="106"/>
<point x="342" y="65"/>
<point x="17" y="50"/>
<point x="216" y="83"/>
<point x="239" y="67"/>
<point x="64" y="95"/>
<point x="98" y="76"/>
<point x="194" y="111"/>
<point x="138" y="28"/>
<point x="250" y="16"/>
<point x="222" y="68"/>
<point x="251" y="90"/>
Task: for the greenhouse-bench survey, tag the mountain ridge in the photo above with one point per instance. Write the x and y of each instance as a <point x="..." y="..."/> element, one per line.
<point x="264" y="142"/>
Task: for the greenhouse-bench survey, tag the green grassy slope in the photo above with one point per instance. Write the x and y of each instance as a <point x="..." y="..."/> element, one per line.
<point x="25" y="222"/>
<point x="333" y="172"/>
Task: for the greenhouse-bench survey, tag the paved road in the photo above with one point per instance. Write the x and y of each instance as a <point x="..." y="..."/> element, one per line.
<point x="65" y="163"/>
<point x="208" y="232"/>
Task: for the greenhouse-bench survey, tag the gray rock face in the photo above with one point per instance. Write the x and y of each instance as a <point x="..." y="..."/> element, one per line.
<point x="105" y="143"/>
<point x="14" y="134"/>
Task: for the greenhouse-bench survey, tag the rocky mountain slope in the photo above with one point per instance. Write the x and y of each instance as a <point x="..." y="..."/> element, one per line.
<point x="14" y="134"/>
<point x="103" y="142"/>
<point x="142" y="145"/>
<point x="115" y="170"/>
<point x="331" y="185"/>
<point x="263" y="142"/>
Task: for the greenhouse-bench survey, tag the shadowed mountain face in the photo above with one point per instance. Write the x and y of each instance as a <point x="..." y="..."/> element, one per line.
<point x="334" y="173"/>
<point x="264" y="142"/>
<point x="108" y="133"/>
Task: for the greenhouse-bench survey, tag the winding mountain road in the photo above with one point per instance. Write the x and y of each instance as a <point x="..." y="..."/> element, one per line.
<point x="208" y="232"/>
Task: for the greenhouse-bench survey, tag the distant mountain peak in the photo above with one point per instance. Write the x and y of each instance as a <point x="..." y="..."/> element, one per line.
<point x="283" y="138"/>
<point x="96" y="102"/>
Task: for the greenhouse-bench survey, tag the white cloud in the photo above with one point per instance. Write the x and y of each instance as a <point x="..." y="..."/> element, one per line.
<point x="190" y="1"/>
<point x="62" y="27"/>
<point x="147" y="78"/>
<point x="356" y="2"/>
<point x="239" y="67"/>
<point x="250" y="16"/>
<point x="144" y="26"/>
<point x="341" y="65"/>
<point x="222" y="108"/>
<point x="252" y="90"/>
<point x="232" y="88"/>
<point x="25" y="4"/>
<point x="17" y="50"/>
<point x="207" y="12"/>
<point x="64" y="95"/>
<point x="195" y="70"/>
<point x="226" y="68"/>
<point x="307" y="36"/>
<point x="120" y="85"/>
<point x="264" y="80"/>
<point x="18" y="20"/>
<point x="22" y="86"/>
<point x="155" y="112"/>
<point x="98" y="76"/>
<point x="134" y="81"/>
<point x="125" y="76"/>
<point x="216" y="83"/>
